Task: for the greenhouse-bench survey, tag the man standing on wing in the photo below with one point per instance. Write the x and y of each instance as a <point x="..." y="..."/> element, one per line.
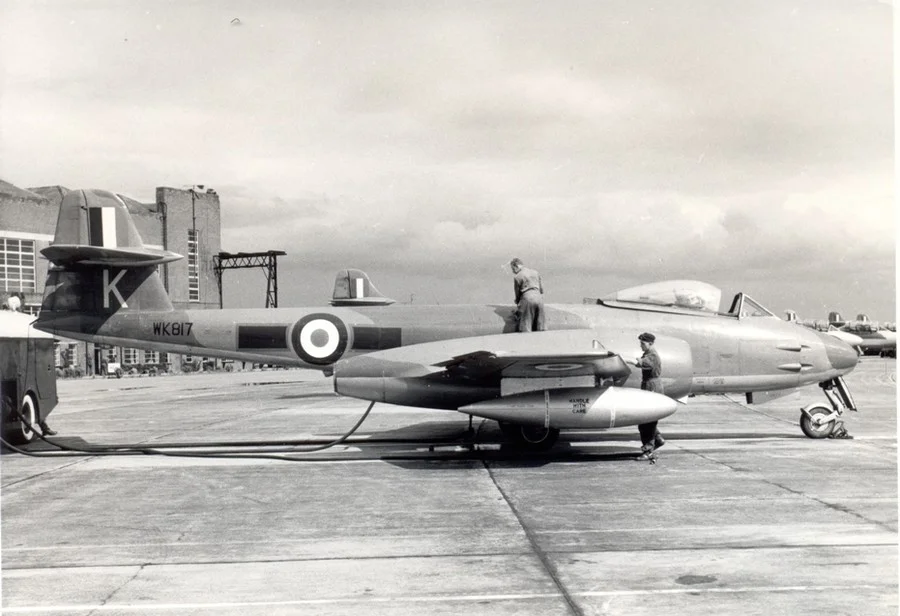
<point x="529" y="297"/>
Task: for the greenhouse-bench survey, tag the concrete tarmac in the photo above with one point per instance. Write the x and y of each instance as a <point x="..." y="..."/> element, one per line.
<point x="414" y="515"/>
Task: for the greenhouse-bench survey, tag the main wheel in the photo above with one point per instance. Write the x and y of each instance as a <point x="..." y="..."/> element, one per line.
<point x="814" y="424"/>
<point x="22" y="434"/>
<point x="534" y="438"/>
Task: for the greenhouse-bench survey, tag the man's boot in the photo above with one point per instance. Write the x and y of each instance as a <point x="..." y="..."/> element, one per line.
<point x="647" y="453"/>
<point x="45" y="429"/>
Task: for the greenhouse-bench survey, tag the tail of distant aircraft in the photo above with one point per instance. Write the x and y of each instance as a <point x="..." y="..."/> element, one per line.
<point x="352" y="287"/>
<point x="100" y="265"/>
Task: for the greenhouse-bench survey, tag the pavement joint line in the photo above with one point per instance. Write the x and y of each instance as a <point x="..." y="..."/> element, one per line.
<point x="541" y="555"/>
<point x="833" y="506"/>
<point x="44" y="473"/>
<point x="81" y="547"/>
<point x="169" y="607"/>
<point x="759" y="412"/>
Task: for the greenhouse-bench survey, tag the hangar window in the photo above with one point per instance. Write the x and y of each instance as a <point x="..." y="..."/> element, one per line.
<point x="193" y="266"/>
<point x="66" y="354"/>
<point x="16" y="264"/>
<point x="130" y="356"/>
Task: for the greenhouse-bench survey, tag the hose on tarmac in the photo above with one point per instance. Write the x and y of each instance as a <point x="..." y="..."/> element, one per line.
<point x="268" y="453"/>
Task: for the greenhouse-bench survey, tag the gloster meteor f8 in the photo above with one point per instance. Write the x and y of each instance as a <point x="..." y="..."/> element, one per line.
<point x="104" y="287"/>
<point x="874" y="338"/>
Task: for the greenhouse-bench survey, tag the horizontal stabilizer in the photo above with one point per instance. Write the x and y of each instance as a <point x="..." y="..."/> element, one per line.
<point x="61" y="254"/>
<point x="352" y="287"/>
<point x="94" y="227"/>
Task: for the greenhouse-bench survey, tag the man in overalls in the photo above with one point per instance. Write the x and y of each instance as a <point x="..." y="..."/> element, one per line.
<point x="651" y="371"/>
<point x="529" y="297"/>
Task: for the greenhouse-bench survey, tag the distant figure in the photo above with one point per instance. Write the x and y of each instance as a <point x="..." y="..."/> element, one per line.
<point x="651" y="371"/>
<point x="529" y="297"/>
<point x="14" y="303"/>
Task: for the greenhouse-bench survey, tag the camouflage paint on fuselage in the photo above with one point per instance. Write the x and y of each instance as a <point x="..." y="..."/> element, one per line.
<point x="727" y="353"/>
<point x="104" y="287"/>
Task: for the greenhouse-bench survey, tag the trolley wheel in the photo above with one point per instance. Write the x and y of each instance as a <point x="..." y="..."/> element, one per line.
<point x="22" y="432"/>
<point x="814" y="424"/>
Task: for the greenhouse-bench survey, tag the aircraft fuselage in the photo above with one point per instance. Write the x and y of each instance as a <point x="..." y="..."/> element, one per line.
<point x="722" y="353"/>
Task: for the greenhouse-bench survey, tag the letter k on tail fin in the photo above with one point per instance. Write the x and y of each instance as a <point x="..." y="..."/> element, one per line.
<point x="100" y="265"/>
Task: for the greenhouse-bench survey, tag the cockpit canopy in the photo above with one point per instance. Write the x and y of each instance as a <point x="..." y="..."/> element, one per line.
<point x="682" y="293"/>
<point x="684" y="296"/>
<point x="866" y="327"/>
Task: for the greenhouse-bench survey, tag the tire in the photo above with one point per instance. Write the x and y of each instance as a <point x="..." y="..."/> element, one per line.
<point x="531" y="438"/>
<point x="811" y="428"/>
<point x="21" y="434"/>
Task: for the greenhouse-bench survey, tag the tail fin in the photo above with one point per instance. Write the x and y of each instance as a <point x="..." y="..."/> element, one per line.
<point x="352" y="287"/>
<point x="95" y="228"/>
<point x="100" y="264"/>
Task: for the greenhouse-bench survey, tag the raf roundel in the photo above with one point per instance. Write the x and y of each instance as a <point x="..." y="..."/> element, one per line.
<point x="319" y="339"/>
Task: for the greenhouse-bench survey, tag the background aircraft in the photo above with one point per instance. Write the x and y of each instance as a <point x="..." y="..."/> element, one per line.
<point x="875" y="339"/>
<point x="825" y="327"/>
<point x="104" y="288"/>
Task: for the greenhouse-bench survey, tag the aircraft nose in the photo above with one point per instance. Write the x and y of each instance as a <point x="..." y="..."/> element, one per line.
<point x="841" y="355"/>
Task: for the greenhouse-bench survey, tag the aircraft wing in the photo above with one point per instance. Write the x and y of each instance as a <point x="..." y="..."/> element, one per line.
<point x="558" y="379"/>
<point x="479" y="365"/>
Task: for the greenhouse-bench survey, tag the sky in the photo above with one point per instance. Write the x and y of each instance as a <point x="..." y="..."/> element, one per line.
<point x="745" y="143"/>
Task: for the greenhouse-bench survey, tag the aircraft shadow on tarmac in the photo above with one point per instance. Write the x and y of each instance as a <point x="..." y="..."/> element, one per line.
<point x="309" y="396"/>
<point x="489" y="432"/>
<point x="420" y="445"/>
<point x="451" y="441"/>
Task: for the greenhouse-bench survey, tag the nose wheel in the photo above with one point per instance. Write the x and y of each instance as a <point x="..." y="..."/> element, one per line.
<point x="818" y="421"/>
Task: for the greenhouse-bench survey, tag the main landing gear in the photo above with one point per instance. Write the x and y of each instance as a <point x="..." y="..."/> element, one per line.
<point x="532" y="438"/>
<point x="820" y="420"/>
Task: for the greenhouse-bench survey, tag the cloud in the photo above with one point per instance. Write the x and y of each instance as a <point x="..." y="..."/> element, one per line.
<point x="619" y="141"/>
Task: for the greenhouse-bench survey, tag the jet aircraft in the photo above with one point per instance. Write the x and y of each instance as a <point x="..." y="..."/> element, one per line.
<point x="579" y="374"/>
<point x="827" y="328"/>
<point x="874" y="339"/>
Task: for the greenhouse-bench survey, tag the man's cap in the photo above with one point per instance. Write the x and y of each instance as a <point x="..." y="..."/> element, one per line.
<point x="516" y="261"/>
<point x="647" y="337"/>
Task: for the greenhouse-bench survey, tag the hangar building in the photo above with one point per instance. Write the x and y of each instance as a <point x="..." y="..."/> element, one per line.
<point x="186" y="221"/>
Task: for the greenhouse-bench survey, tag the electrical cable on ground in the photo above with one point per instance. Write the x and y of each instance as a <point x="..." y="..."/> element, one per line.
<point x="69" y="451"/>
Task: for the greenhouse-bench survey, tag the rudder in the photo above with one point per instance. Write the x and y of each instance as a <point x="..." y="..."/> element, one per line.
<point x="100" y="263"/>
<point x="352" y="287"/>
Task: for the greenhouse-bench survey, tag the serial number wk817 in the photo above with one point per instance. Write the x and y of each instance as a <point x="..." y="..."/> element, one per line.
<point x="165" y="328"/>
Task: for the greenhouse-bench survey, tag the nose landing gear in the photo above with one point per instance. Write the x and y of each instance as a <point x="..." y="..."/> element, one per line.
<point x="820" y="420"/>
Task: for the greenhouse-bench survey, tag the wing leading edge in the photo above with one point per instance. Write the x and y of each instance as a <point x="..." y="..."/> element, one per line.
<point x="523" y="365"/>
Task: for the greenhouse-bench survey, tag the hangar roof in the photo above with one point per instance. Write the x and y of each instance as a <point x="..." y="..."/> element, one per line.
<point x="15" y="192"/>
